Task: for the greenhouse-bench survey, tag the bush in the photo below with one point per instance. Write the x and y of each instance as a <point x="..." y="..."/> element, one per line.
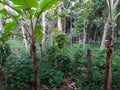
<point x="58" y="59"/>
<point x="4" y="52"/>
<point x="49" y="75"/>
<point x="60" y="40"/>
<point x="62" y="62"/>
<point x="19" y="72"/>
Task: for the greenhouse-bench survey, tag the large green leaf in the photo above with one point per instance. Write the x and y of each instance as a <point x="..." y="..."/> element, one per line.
<point x="10" y="26"/>
<point x="47" y="4"/>
<point x="3" y="12"/>
<point x="26" y="4"/>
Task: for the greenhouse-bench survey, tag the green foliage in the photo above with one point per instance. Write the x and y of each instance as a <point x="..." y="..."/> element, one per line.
<point x="51" y="52"/>
<point x="18" y="72"/>
<point x="9" y="27"/>
<point x="4" y="37"/>
<point x="4" y="52"/>
<point x="35" y="9"/>
<point x="49" y="75"/>
<point x="38" y="33"/>
<point x="99" y="58"/>
<point x="58" y="59"/>
<point x="25" y="4"/>
<point x="79" y="25"/>
<point x="46" y="4"/>
<point x="117" y="44"/>
<point x="60" y="40"/>
<point x="62" y="62"/>
<point x="3" y="12"/>
<point x="59" y="64"/>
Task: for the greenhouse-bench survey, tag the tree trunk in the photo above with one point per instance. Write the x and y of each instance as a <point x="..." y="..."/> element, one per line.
<point x="110" y="48"/>
<point x="104" y="35"/>
<point x="59" y="18"/>
<point x="79" y="39"/>
<point x="71" y="29"/>
<point x="64" y="25"/>
<point x="112" y="4"/>
<point x="84" y="36"/>
<point x="35" y="62"/>
<point x="89" y="64"/>
<point x="24" y="39"/>
<point x="37" y="81"/>
<point x="44" y="34"/>
<point x="95" y="34"/>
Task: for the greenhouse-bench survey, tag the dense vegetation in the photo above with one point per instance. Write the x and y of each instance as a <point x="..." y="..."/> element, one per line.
<point x="59" y="45"/>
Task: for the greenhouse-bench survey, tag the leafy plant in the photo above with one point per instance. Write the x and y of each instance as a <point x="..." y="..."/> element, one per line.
<point x="4" y="52"/>
<point x="49" y="75"/>
<point x="60" y="40"/>
<point x="19" y="72"/>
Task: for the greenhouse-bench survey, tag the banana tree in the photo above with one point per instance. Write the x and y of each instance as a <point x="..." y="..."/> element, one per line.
<point x="34" y="9"/>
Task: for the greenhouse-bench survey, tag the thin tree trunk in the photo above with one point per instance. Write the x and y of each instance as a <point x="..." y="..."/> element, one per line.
<point x="24" y="40"/>
<point x="37" y="81"/>
<point x="95" y="35"/>
<point x="59" y="18"/>
<point x="43" y="40"/>
<point x="64" y="25"/>
<point x="35" y="62"/>
<point x="104" y="35"/>
<point x="71" y="29"/>
<point x="50" y="28"/>
<point x="89" y="64"/>
<point x="84" y="35"/>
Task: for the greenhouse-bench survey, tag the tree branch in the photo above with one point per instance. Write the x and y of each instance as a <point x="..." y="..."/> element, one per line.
<point x="115" y="4"/>
<point x="108" y="4"/>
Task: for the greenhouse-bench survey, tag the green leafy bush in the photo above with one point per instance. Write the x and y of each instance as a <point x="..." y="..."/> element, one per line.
<point x="4" y="52"/>
<point x="60" y="40"/>
<point x="62" y="62"/>
<point x="58" y="59"/>
<point x="51" y="52"/>
<point x="19" y="72"/>
<point x="50" y="76"/>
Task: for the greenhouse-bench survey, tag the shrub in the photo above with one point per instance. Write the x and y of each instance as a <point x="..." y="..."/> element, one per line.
<point x="62" y="62"/>
<point x="58" y="59"/>
<point x="4" y="52"/>
<point x="19" y="72"/>
<point x="49" y="75"/>
<point x="60" y="40"/>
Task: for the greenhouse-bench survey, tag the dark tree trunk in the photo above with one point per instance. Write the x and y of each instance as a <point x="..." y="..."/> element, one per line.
<point x="110" y="48"/>
<point x="89" y="64"/>
<point x="35" y="62"/>
<point x="37" y="82"/>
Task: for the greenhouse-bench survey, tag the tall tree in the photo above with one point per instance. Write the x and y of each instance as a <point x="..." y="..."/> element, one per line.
<point x="112" y="5"/>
